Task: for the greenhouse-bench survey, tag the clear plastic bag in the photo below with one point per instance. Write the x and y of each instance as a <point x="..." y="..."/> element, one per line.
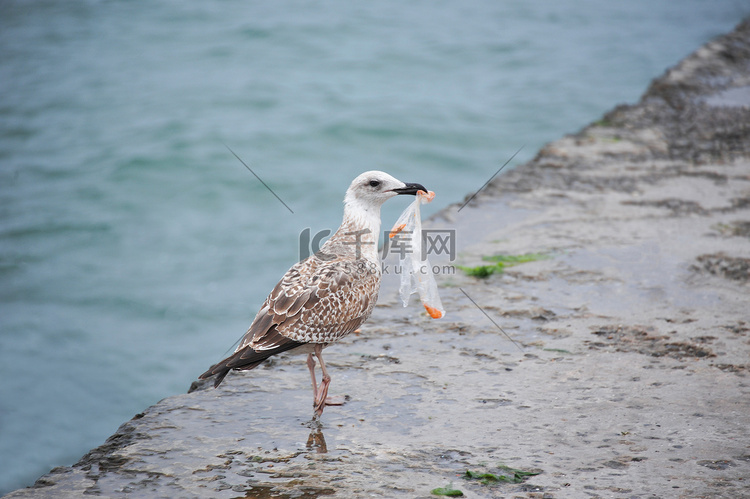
<point x="416" y="272"/>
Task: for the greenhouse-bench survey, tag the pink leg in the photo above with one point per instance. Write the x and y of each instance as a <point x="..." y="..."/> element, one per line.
<point x="320" y="397"/>
<point x="311" y="367"/>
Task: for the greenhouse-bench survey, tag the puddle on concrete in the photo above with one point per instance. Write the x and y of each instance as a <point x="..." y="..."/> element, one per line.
<point x="731" y="97"/>
<point x="272" y="492"/>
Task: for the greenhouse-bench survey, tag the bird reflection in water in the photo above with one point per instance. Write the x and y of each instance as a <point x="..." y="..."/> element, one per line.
<point x="316" y="441"/>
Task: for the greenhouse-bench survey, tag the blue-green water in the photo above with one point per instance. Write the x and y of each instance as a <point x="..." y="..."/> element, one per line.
<point x="135" y="249"/>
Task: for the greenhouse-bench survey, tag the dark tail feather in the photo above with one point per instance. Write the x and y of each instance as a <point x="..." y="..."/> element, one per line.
<point x="219" y="378"/>
<point x="244" y="360"/>
<point x="221" y="372"/>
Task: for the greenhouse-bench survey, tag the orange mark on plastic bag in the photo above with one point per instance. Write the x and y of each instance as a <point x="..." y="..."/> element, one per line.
<point x="434" y="313"/>
<point x="396" y="231"/>
<point x="429" y="195"/>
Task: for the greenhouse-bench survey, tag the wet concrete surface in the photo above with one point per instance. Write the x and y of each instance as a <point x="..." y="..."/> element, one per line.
<point x="627" y="376"/>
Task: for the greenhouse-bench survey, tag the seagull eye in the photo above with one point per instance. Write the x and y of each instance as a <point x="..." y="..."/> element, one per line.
<point x="374" y="183"/>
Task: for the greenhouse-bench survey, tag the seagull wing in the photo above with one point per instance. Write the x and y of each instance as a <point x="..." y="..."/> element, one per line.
<point x="318" y="300"/>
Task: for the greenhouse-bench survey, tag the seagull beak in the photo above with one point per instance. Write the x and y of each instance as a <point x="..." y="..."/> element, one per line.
<point x="410" y="189"/>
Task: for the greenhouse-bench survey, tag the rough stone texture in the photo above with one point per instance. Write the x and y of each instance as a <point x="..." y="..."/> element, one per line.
<point x="628" y="377"/>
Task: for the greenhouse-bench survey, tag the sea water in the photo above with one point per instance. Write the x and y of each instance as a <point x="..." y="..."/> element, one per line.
<point x="135" y="248"/>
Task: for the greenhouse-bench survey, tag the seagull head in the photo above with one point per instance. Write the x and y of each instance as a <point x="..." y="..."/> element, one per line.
<point x="373" y="188"/>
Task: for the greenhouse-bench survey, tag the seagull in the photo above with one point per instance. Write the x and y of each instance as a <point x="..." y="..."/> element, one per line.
<point x="325" y="296"/>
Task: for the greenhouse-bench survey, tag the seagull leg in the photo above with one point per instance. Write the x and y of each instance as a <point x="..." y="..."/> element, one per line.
<point x="322" y="392"/>
<point x="311" y="367"/>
